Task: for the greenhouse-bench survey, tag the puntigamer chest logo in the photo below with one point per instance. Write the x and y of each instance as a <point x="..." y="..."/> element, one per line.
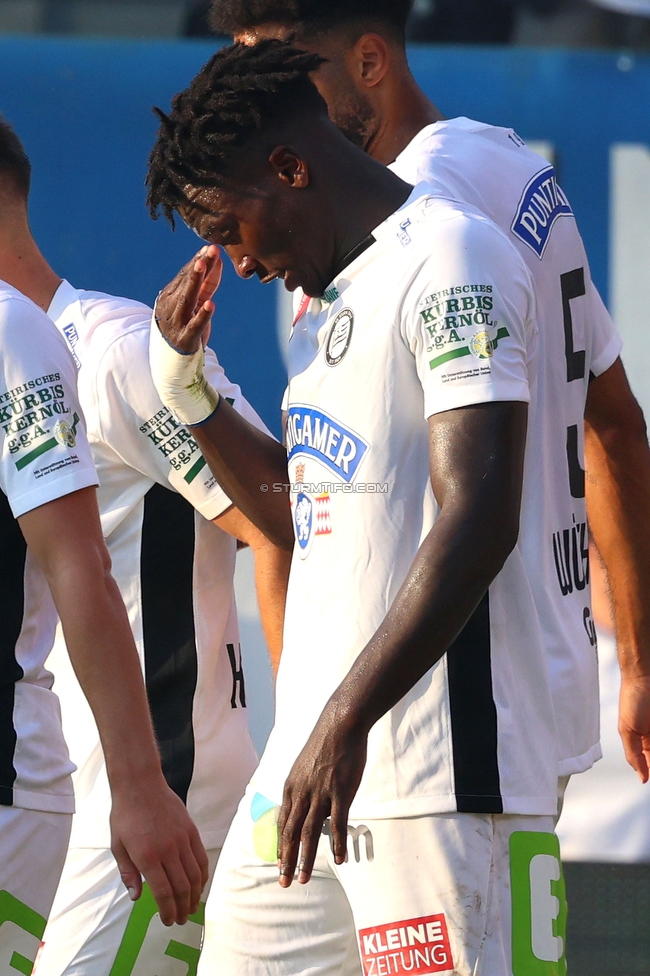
<point x="541" y="204"/>
<point x="338" y="340"/>
<point x="312" y="432"/>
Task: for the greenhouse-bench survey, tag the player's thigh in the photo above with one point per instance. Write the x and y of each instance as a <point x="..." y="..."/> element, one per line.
<point x="33" y="846"/>
<point x="253" y="927"/>
<point x="96" y="930"/>
<point x="433" y="894"/>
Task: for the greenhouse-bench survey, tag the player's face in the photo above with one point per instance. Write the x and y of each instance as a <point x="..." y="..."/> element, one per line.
<point x="349" y="108"/>
<point x="260" y="236"/>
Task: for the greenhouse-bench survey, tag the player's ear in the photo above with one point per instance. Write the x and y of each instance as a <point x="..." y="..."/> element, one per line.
<point x="290" y="167"/>
<point x="368" y="60"/>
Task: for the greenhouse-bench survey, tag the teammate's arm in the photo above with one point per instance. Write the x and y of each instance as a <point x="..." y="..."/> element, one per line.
<point x="152" y="833"/>
<point x="271" y="576"/>
<point x="618" y="501"/>
<point x="476" y="463"/>
<point x="246" y="462"/>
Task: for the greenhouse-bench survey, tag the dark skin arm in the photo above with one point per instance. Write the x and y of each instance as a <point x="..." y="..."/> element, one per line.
<point x="618" y="500"/>
<point x="476" y="462"/>
<point x="245" y="461"/>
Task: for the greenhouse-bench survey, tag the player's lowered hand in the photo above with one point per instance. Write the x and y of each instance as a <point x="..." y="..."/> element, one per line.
<point x="152" y="835"/>
<point x="184" y="307"/>
<point x="634" y="723"/>
<point x="322" y="783"/>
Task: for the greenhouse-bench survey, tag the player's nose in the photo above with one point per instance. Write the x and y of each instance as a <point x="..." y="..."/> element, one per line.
<point x="245" y="265"/>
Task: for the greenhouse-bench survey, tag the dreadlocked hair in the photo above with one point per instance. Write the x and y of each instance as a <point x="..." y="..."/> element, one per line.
<point x="310" y="16"/>
<point x="238" y="94"/>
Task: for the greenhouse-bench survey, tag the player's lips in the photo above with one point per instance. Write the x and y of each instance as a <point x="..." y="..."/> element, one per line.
<point x="271" y="276"/>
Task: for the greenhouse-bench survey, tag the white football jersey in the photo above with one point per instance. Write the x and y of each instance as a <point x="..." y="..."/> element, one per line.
<point x="173" y="565"/>
<point x="438" y="313"/>
<point x="44" y="456"/>
<point x="491" y="169"/>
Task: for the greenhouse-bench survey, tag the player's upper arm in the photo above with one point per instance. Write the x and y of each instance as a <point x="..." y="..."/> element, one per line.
<point x="65" y="535"/>
<point x="476" y="456"/>
<point x="469" y="317"/>
<point x="612" y="411"/>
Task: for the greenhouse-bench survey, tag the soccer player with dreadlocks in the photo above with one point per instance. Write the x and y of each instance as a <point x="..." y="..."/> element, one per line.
<point x="412" y="770"/>
<point x="374" y="99"/>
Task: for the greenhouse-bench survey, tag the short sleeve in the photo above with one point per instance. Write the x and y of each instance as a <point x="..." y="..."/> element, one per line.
<point x="131" y="419"/>
<point x="606" y="341"/>
<point x="43" y="445"/>
<point x="468" y="317"/>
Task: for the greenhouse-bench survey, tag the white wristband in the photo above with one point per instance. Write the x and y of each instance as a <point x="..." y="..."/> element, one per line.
<point x="179" y="379"/>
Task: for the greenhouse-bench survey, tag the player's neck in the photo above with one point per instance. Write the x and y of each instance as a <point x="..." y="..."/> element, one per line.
<point x="403" y="110"/>
<point x="23" y="266"/>
<point x="366" y="194"/>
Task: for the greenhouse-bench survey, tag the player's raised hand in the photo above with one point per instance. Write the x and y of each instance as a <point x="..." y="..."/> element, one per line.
<point x="152" y="835"/>
<point x="184" y="307"/>
<point x="323" y="782"/>
<point x="634" y="723"/>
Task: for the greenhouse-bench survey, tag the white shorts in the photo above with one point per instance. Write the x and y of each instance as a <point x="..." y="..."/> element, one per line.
<point x="96" y="930"/>
<point x="33" y="846"/>
<point x="476" y="895"/>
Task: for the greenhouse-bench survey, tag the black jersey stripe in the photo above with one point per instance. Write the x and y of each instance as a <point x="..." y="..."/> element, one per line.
<point x="166" y="570"/>
<point x="474" y="716"/>
<point x="12" y="609"/>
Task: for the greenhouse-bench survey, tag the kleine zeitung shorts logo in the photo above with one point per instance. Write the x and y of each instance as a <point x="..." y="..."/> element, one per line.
<point x="413" y="946"/>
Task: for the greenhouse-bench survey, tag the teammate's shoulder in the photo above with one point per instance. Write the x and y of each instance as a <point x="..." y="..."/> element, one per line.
<point x="103" y="309"/>
<point x="18" y="312"/>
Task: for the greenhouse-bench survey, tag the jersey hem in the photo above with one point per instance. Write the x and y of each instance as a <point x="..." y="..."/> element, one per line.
<point x="482" y="395"/>
<point x="28" y="501"/>
<point x="428" y="805"/>
<point x="214" y="506"/>
<point x="43" y="802"/>
<point x="607" y="358"/>
<point x="578" y="764"/>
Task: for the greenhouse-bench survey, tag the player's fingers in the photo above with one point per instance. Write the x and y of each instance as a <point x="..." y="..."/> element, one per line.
<point x="196" y="869"/>
<point x="309" y="840"/>
<point x="212" y="278"/>
<point x="289" y="844"/>
<point x="165" y="893"/>
<point x="129" y="874"/>
<point x="633" y="746"/>
<point x="187" y="298"/>
<point x="201" y="857"/>
<point x="339" y="830"/>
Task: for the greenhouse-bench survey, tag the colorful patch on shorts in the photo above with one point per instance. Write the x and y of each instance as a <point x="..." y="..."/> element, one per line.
<point x="264" y="814"/>
<point x="539" y="909"/>
<point x="414" y="946"/>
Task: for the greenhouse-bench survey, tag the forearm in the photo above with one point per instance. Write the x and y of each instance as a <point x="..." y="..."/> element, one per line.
<point x="247" y="463"/>
<point x="271" y="577"/>
<point x="105" y="660"/>
<point x="618" y="498"/>
<point x="448" y="578"/>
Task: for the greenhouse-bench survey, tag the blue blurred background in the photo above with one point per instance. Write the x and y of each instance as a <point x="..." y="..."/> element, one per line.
<point x="83" y="110"/>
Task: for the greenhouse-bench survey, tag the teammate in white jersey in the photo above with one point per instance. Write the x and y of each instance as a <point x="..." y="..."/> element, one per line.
<point x="373" y="98"/>
<point x="413" y="694"/>
<point x="54" y="559"/>
<point x="171" y="534"/>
